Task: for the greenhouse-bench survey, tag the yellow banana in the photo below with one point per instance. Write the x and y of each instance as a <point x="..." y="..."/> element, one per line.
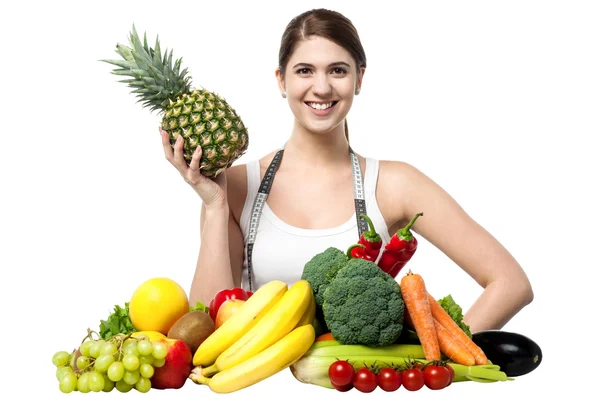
<point x="279" y="321"/>
<point x="309" y="315"/>
<point x="246" y="317"/>
<point x="270" y="361"/>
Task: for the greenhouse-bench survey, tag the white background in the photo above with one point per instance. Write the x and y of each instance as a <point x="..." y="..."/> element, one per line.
<point x="498" y="102"/>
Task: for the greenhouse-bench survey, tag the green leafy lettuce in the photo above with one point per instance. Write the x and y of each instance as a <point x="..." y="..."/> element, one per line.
<point x="118" y="322"/>
<point x="455" y="311"/>
<point x="199" y="306"/>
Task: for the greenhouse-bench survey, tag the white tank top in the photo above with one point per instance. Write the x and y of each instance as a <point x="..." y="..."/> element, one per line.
<point x="281" y="250"/>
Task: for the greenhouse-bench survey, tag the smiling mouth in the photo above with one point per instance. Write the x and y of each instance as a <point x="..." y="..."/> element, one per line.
<point x="321" y="106"/>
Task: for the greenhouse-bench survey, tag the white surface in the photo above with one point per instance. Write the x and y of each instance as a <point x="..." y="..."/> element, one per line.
<point x="497" y="103"/>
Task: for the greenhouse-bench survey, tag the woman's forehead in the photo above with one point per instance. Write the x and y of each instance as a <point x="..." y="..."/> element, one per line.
<point x="319" y="51"/>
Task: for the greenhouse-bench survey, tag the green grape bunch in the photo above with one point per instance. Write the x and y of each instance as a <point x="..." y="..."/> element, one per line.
<point x="122" y="361"/>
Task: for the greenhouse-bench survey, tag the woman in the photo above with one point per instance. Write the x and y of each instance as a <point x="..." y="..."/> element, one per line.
<point x="310" y="204"/>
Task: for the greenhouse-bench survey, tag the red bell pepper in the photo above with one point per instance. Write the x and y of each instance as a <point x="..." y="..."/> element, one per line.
<point x="399" y="250"/>
<point x="369" y="244"/>
<point x="225" y="295"/>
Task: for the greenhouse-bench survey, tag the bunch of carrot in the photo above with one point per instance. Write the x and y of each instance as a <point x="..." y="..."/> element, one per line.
<point x="436" y="330"/>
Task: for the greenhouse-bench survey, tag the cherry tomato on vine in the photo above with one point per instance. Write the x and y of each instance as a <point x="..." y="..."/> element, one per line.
<point x="451" y="372"/>
<point x="341" y="373"/>
<point x="418" y="366"/>
<point x="435" y="376"/>
<point x="412" y="379"/>
<point x="365" y="380"/>
<point x="343" y="388"/>
<point x="389" y="379"/>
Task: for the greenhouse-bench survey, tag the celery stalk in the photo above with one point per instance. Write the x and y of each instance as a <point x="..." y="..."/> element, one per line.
<point x="483" y="372"/>
<point x="342" y="351"/>
<point x="313" y="370"/>
<point x="323" y="344"/>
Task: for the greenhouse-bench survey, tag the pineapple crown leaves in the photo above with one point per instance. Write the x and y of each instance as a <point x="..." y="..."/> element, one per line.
<point x="154" y="78"/>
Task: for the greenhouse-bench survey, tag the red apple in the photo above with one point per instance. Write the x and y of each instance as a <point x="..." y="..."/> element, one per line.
<point x="178" y="365"/>
<point x="227" y="309"/>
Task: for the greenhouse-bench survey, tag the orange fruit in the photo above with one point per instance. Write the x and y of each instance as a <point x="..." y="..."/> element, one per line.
<point x="157" y="304"/>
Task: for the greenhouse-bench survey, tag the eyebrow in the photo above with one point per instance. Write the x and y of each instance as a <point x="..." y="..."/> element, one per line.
<point x="339" y="63"/>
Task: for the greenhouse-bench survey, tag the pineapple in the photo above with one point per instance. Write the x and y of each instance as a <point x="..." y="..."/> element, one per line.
<point x="201" y="117"/>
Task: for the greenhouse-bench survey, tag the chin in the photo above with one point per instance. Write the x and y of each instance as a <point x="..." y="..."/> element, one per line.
<point x="322" y="128"/>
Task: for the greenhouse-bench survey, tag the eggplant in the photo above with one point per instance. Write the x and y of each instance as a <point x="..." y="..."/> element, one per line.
<point x="515" y="353"/>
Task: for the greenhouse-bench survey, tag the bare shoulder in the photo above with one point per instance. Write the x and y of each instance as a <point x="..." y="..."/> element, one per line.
<point x="398" y="182"/>
<point x="395" y="172"/>
<point x="265" y="161"/>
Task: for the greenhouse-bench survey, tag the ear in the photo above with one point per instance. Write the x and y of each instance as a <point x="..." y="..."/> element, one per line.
<point x="361" y="74"/>
<point x="280" y="80"/>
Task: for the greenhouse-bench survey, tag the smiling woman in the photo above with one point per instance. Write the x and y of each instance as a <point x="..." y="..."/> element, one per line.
<point x="335" y="74"/>
<point x="257" y="227"/>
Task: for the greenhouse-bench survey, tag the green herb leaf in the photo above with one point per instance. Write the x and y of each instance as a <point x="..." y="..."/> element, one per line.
<point x="455" y="311"/>
<point x="118" y="322"/>
<point x="199" y="306"/>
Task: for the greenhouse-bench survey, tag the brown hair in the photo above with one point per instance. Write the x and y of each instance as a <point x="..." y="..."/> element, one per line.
<point x="324" y="23"/>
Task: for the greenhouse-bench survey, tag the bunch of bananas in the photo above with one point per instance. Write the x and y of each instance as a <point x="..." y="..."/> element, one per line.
<point x="268" y="333"/>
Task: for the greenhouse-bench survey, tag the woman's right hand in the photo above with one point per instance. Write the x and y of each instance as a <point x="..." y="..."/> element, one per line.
<point x="212" y="192"/>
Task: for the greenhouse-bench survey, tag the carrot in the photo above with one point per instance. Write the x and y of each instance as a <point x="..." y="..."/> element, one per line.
<point x="414" y="294"/>
<point x="445" y="320"/>
<point x="325" y="337"/>
<point x="450" y="346"/>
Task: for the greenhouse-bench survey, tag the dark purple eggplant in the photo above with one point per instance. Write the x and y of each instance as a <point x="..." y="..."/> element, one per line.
<point x="515" y="353"/>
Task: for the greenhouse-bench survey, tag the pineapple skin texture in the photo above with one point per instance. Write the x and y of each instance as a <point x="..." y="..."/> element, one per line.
<point x="204" y="118"/>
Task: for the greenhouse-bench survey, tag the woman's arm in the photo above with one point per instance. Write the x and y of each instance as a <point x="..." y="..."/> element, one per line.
<point x="447" y="226"/>
<point x="220" y="258"/>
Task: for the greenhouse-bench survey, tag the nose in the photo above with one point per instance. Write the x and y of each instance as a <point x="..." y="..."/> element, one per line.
<point x="321" y="86"/>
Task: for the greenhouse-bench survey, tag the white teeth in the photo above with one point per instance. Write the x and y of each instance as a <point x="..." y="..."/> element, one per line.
<point x="320" y="106"/>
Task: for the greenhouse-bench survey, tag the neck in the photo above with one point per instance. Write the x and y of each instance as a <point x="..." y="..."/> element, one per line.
<point x="308" y="150"/>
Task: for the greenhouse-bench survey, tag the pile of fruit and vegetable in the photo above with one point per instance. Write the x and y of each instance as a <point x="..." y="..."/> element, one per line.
<point x="345" y="324"/>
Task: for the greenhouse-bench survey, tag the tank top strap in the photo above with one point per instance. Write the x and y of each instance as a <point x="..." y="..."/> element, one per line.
<point x="370" y="187"/>
<point x="371" y="172"/>
<point x="253" y="183"/>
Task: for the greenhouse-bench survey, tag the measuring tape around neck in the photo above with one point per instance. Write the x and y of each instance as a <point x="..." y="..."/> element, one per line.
<point x="265" y="188"/>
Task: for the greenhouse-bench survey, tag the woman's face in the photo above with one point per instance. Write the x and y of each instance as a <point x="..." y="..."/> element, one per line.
<point x="320" y="81"/>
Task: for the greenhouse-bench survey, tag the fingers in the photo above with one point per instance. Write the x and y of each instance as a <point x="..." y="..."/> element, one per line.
<point x="174" y="155"/>
<point x="164" y="136"/>
<point x="195" y="162"/>
<point x="178" y="159"/>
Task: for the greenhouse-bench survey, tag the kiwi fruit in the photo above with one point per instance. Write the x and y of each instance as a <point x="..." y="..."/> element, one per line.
<point x="192" y="328"/>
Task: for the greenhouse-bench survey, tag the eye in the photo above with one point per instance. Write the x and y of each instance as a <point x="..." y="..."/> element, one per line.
<point x="338" y="71"/>
<point x="303" y="71"/>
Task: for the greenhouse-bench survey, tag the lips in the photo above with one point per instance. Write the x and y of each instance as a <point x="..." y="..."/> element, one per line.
<point x="321" y="108"/>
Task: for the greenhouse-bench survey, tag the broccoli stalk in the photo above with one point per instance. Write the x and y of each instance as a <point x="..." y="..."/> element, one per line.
<point x="363" y="305"/>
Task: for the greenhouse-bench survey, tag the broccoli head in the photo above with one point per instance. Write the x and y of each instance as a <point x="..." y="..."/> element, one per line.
<point x="363" y="305"/>
<point x="322" y="269"/>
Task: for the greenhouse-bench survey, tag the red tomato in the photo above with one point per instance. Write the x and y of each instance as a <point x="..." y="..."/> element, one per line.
<point x="436" y="377"/>
<point x="389" y="379"/>
<point x="365" y="380"/>
<point x="341" y="373"/>
<point x="451" y="372"/>
<point x="412" y="379"/>
<point x="343" y="388"/>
